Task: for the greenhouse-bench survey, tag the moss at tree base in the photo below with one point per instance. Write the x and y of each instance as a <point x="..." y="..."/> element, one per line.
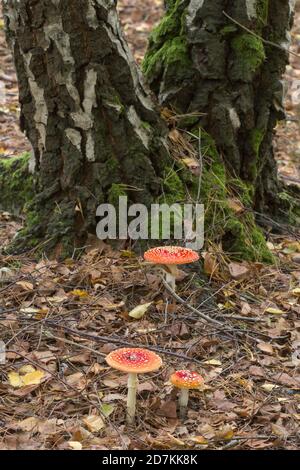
<point x="229" y="218"/>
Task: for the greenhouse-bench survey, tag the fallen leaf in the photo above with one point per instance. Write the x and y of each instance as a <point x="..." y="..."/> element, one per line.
<point x="257" y="371"/>
<point x="199" y="440"/>
<point x="27" y="286"/>
<point x="236" y="205"/>
<point x="285" y="379"/>
<point x="245" y="308"/>
<point x="279" y="430"/>
<point x="269" y="387"/>
<point x="139" y="311"/>
<point x="6" y="274"/>
<point x="168" y="409"/>
<point x="75" y="445"/>
<point x="14" y="379"/>
<point x="238" y="271"/>
<point x="33" y="378"/>
<point x="266" y="347"/>
<point x="213" y="362"/>
<point x="225" y="434"/>
<point x="94" y="423"/>
<point x="210" y="264"/>
<point x="113" y="397"/>
<point x="28" y="424"/>
<point x="275" y="311"/>
<point x="26" y="369"/>
<point x="77" y="380"/>
<point x="296" y="292"/>
<point x="107" y="409"/>
<point x="82" y="294"/>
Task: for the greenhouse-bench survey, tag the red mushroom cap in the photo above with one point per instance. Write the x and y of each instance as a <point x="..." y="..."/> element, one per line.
<point x="135" y="360"/>
<point x="171" y="255"/>
<point x="186" y="379"/>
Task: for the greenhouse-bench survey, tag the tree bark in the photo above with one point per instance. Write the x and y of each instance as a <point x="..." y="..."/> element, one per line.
<point x="200" y="60"/>
<point x="91" y="122"/>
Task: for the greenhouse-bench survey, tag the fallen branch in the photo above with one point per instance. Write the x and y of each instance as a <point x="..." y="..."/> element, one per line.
<point x="206" y="317"/>
<point x="109" y="339"/>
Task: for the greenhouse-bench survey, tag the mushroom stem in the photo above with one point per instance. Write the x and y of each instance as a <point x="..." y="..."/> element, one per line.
<point x="131" y="397"/>
<point x="183" y="401"/>
<point x="171" y="274"/>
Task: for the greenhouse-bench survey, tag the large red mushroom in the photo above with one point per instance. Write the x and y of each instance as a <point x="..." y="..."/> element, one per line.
<point x="170" y="257"/>
<point x="134" y="361"/>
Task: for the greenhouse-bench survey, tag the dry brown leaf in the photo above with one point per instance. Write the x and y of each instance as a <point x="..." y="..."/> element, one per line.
<point x="266" y="347"/>
<point x="26" y="286"/>
<point x="210" y="264"/>
<point x="238" y="271"/>
<point x="236" y="205"/>
<point x="28" y="424"/>
<point x="168" y="409"/>
<point x="94" y="423"/>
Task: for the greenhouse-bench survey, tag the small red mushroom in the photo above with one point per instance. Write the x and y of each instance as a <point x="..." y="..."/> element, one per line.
<point x="170" y="257"/>
<point x="134" y="361"/>
<point x="185" y="380"/>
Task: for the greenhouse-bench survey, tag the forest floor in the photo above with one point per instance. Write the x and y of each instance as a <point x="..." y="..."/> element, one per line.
<point x="59" y="320"/>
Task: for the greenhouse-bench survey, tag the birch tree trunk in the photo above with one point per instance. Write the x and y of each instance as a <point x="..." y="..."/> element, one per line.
<point x="92" y="125"/>
<point x="200" y="60"/>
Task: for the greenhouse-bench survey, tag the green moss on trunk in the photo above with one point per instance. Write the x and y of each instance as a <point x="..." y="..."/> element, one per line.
<point x="16" y="183"/>
<point x="168" y="44"/>
<point x="262" y="8"/>
<point x="249" y="55"/>
<point x="238" y="232"/>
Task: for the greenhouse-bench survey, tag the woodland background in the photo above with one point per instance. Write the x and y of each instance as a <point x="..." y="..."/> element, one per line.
<point x="60" y="319"/>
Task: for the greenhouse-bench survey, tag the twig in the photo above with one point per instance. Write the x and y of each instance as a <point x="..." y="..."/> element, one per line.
<point x="97" y="353"/>
<point x="190" y="307"/>
<point x="219" y="325"/>
<point x="109" y="339"/>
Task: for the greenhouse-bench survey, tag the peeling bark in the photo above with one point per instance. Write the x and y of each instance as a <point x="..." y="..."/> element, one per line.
<point x="85" y="110"/>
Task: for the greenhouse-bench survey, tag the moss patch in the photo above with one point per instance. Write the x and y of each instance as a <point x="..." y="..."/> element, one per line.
<point x="262" y="9"/>
<point x="244" y="240"/>
<point x="173" y="187"/>
<point x="290" y="199"/>
<point x="16" y="183"/>
<point x="249" y="55"/>
<point x="256" y="138"/>
<point x="237" y="232"/>
<point x="167" y="44"/>
<point x="116" y="191"/>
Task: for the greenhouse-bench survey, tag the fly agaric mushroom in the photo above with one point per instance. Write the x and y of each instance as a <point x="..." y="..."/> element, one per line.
<point x="134" y="361"/>
<point x="170" y="257"/>
<point x="185" y="380"/>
